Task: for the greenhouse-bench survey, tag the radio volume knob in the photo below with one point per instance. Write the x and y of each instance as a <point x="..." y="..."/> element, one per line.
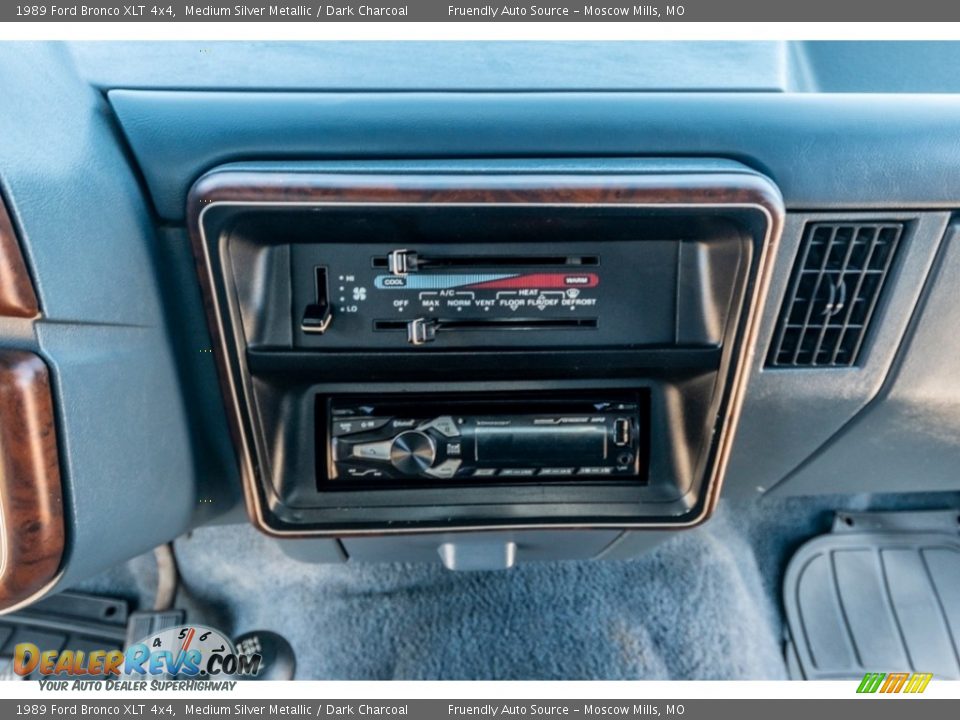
<point x="412" y="452"/>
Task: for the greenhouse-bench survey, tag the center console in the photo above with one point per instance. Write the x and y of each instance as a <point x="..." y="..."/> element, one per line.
<point x="449" y="348"/>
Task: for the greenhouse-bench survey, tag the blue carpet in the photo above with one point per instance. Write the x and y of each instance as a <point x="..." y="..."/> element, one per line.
<point x="703" y="605"/>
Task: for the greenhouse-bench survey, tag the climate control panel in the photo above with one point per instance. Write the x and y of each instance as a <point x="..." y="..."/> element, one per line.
<point x="381" y="296"/>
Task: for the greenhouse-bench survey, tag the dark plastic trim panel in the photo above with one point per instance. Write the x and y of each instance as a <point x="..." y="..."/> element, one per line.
<point x="745" y="191"/>
<point x="789" y="414"/>
<point x="823" y="151"/>
<point x="118" y="331"/>
<point x="908" y="436"/>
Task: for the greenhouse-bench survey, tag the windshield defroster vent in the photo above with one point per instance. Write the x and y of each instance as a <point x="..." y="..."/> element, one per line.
<point x="836" y="284"/>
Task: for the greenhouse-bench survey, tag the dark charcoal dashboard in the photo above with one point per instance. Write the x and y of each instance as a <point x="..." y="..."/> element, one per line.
<point x="399" y="304"/>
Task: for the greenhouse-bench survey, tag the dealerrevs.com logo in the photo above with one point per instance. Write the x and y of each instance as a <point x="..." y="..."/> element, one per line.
<point x="187" y="652"/>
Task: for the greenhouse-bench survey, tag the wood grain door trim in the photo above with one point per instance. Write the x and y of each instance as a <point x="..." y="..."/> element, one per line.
<point x="32" y="529"/>
<point x="17" y="297"/>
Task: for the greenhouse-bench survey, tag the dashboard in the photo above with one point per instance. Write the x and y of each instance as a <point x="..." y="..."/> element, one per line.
<point x="472" y="304"/>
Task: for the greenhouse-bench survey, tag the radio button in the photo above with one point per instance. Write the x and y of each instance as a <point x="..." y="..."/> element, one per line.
<point x="517" y="472"/>
<point x="596" y="471"/>
<point x="347" y="426"/>
<point x="444" y="470"/>
<point x="445" y="425"/>
<point x="372" y="450"/>
<point x="364" y="472"/>
<point x="557" y="472"/>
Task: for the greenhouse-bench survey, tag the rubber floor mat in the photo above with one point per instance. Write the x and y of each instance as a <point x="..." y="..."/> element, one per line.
<point x="68" y="621"/>
<point x="859" y="602"/>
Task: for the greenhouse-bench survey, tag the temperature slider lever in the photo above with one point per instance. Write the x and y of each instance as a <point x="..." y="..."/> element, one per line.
<point x="424" y="330"/>
<point x="401" y="262"/>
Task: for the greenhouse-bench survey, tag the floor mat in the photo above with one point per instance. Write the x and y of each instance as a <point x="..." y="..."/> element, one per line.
<point x="693" y="608"/>
<point x="874" y="601"/>
<point x="85" y="623"/>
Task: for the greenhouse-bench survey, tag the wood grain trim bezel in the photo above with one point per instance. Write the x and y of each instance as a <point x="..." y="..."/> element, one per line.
<point x="679" y="190"/>
<point x="31" y="497"/>
<point x="17" y="297"/>
<point x="269" y="188"/>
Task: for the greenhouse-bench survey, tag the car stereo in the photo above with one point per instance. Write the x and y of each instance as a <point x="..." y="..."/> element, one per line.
<point x="416" y="441"/>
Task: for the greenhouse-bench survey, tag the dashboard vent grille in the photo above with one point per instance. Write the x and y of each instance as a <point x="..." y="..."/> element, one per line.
<point x="836" y="283"/>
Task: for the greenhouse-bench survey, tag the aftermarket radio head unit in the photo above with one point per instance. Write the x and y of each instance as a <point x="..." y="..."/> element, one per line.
<point x="402" y="441"/>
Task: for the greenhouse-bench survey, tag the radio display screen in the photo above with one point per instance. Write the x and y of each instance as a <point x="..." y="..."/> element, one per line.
<point x="524" y="445"/>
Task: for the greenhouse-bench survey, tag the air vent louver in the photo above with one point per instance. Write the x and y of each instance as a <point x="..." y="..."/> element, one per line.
<point x="837" y="281"/>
